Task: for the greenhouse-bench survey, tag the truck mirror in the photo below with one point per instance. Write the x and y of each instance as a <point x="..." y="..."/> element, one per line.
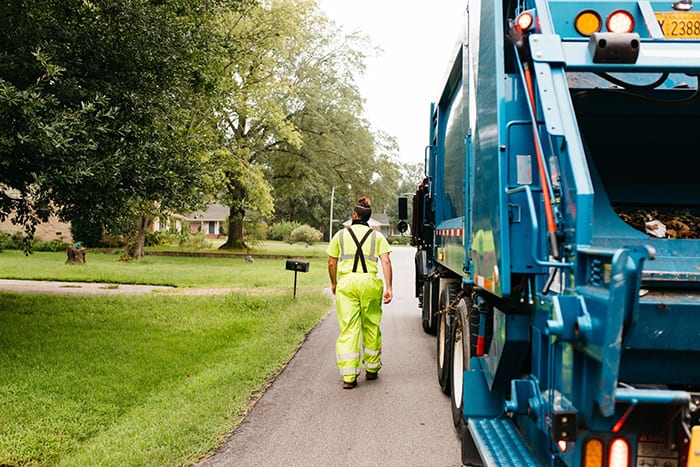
<point x="402" y="227"/>
<point x="403" y="208"/>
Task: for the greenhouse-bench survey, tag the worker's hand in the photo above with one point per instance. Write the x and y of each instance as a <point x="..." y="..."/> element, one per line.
<point x="388" y="295"/>
<point x="333" y="288"/>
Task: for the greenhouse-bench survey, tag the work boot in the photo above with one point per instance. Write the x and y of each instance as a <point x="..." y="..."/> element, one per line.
<point x="371" y="375"/>
<point x="349" y="384"/>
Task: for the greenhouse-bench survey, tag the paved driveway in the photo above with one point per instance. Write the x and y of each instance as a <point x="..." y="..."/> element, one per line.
<point x="306" y="419"/>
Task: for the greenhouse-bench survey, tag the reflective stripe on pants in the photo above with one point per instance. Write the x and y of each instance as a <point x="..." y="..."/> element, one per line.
<point x="359" y="304"/>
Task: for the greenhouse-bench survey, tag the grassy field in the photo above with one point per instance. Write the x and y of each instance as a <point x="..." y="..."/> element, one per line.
<point x="317" y="250"/>
<point x="163" y="270"/>
<point x="143" y="380"/>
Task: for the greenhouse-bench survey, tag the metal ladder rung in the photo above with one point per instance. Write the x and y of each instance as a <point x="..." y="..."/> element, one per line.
<point x="500" y="444"/>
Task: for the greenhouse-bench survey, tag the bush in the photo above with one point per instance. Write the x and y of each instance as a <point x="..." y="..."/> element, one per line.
<point x="57" y="244"/>
<point x="197" y="241"/>
<point x="399" y="240"/>
<point x="305" y="233"/>
<point x="282" y="230"/>
<point x="4" y="241"/>
<point x="156" y="238"/>
<point x="16" y="241"/>
<point x="256" y="230"/>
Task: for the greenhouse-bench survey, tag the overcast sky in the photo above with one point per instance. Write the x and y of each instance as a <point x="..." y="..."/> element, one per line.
<point x="418" y="39"/>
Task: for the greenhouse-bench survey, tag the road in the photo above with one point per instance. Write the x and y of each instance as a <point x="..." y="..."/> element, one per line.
<point x="306" y="419"/>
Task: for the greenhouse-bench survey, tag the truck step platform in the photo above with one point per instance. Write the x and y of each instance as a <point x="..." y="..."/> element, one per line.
<point x="500" y="444"/>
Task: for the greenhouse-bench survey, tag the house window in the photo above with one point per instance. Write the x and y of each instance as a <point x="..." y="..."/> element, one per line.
<point x="212" y="227"/>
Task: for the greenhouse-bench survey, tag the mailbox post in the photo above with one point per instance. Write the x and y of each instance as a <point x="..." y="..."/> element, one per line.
<point x="296" y="266"/>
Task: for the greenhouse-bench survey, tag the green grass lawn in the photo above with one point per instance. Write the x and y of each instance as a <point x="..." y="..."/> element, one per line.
<point x="142" y="380"/>
<point x="267" y="247"/>
<point x="163" y="270"/>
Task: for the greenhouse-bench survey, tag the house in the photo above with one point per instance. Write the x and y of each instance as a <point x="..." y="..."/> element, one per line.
<point x="54" y="228"/>
<point x="213" y="221"/>
<point x="378" y="222"/>
<point x="172" y="222"/>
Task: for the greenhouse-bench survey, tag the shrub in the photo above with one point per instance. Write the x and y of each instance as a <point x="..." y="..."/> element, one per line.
<point x="160" y="238"/>
<point x="305" y="233"/>
<point x="256" y="230"/>
<point x="57" y="244"/>
<point x="197" y="241"/>
<point x="282" y="230"/>
<point x="399" y="240"/>
<point x="4" y="240"/>
<point x="16" y="241"/>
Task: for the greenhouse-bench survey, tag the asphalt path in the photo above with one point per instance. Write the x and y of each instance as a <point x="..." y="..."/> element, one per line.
<point x="305" y="418"/>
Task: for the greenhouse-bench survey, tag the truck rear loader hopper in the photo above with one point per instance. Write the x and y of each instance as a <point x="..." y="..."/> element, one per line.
<point x="564" y="141"/>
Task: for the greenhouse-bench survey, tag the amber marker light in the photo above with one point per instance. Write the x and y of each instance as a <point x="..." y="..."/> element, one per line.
<point x="525" y="21"/>
<point x="620" y="21"/>
<point x="593" y="453"/>
<point x="587" y="22"/>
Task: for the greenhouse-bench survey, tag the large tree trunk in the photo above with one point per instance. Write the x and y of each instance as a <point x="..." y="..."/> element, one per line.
<point x="235" y="231"/>
<point x="140" y="240"/>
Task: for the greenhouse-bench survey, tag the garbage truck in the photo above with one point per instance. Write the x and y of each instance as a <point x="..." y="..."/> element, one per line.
<point x="557" y="261"/>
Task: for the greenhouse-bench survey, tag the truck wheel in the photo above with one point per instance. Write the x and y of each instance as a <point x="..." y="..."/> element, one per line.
<point x="445" y="316"/>
<point x="429" y="320"/>
<point x="461" y="353"/>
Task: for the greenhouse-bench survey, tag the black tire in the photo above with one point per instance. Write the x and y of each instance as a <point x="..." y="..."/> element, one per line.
<point x="468" y="317"/>
<point x="448" y="291"/>
<point x="429" y="320"/>
<point x="470" y="453"/>
<point x="461" y="353"/>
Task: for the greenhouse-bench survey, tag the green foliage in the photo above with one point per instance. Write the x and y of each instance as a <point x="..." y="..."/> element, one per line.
<point x="196" y="241"/>
<point x="104" y="122"/>
<point x="282" y="230"/>
<point x="18" y="241"/>
<point x="11" y="242"/>
<point x="57" y="244"/>
<point x="399" y="240"/>
<point x="306" y="234"/>
<point x="87" y="231"/>
<point x="256" y="230"/>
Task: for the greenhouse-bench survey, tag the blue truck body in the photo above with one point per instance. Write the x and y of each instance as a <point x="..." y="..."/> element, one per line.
<point x="566" y="335"/>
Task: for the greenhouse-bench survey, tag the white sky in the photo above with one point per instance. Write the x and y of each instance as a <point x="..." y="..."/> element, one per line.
<point x="418" y="38"/>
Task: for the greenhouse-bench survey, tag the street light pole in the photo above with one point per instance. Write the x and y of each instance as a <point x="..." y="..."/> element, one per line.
<point x="330" y="221"/>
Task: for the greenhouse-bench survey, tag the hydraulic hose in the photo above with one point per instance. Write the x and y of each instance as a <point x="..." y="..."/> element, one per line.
<point x="544" y="179"/>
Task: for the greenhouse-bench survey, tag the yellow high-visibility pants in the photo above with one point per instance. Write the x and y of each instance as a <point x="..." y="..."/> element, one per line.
<point x="358" y="300"/>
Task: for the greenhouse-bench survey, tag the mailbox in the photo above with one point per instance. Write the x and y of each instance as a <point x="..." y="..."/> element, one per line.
<point x="297" y="266"/>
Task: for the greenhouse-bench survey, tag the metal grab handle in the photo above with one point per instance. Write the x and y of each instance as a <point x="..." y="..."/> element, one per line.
<point x="536" y="229"/>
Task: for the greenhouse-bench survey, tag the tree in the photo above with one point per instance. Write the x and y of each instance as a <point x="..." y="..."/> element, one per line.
<point x="295" y="115"/>
<point x="254" y="114"/>
<point x="105" y="108"/>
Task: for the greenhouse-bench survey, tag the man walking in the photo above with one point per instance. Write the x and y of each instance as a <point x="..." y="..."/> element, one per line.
<point x="353" y="256"/>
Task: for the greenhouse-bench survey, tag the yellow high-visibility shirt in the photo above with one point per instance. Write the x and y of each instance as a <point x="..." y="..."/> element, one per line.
<point x="343" y="247"/>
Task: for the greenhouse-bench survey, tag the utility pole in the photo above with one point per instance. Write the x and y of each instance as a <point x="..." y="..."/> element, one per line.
<point x="330" y="221"/>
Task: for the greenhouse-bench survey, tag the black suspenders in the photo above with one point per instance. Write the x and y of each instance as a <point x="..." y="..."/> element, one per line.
<point x="359" y="255"/>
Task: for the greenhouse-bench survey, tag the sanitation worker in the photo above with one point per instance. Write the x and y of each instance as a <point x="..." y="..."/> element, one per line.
<point x="353" y="256"/>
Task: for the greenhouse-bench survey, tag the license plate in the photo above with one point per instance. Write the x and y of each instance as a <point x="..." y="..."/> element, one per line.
<point x="679" y="24"/>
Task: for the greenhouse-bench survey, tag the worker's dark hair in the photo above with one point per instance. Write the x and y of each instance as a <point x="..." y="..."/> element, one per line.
<point x="363" y="209"/>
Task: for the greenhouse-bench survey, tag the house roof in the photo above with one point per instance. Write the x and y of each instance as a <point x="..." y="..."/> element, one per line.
<point x="382" y="218"/>
<point x="375" y="221"/>
<point x="215" y="212"/>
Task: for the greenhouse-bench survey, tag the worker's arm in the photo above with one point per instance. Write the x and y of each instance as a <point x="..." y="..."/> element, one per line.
<point x="386" y="271"/>
<point x="332" y="271"/>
